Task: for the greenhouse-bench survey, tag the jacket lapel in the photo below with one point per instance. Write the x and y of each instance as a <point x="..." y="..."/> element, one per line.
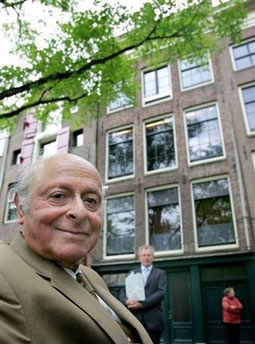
<point x="64" y="283"/>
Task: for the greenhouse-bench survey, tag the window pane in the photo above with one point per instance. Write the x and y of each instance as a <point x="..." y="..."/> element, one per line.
<point x="160" y="144"/>
<point x="204" y="134"/>
<point x="214" y="218"/>
<point x="120" y="225"/>
<point x="195" y="73"/>
<point x="11" y="211"/>
<point x="157" y="83"/>
<point x="244" y="55"/>
<point x="164" y="219"/>
<point x="121" y="101"/>
<point x="48" y="148"/>
<point x="78" y="138"/>
<point x="120" y="153"/>
<point x="249" y="103"/>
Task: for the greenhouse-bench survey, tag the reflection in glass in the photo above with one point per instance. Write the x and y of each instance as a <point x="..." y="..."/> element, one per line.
<point x="204" y="134"/>
<point x="214" y="218"/>
<point x="164" y="219"/>
<point x="120" y="153"/>
<point x="160" y="144"/>
<point x="120" y="225"/>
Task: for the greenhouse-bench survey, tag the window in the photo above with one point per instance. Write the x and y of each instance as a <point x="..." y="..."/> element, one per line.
<point x="156" y="85"/>
<point x="160" y="144"/>
<point x="164" y="222"/>
<point x="48" y="148"/>
<point x="16" y="157"/>
<point x="120" y="102"/>
<point x="244" y="55"/>
<point x="120" y="224"/>
<point x="54" y="121"/>
<point x="195" y="73"/>
<point x="4" y="135"/>
<point x="78" y="138"/>
<point x="248" y="102"/>
<point x="203" y="134"/>
<point x="120" y="153"/>
<point x="11" y="211"/>
<point x="213" y="213"/>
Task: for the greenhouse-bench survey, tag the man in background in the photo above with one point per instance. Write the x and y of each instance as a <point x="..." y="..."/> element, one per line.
<point x="149" y="312"/>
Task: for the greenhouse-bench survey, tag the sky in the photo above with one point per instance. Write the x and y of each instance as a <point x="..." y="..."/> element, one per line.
<point x="6" y="58"/>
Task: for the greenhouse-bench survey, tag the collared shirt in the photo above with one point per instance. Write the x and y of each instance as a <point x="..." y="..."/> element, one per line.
<point x="101" y="301"/>
<point x="146" y="270"/>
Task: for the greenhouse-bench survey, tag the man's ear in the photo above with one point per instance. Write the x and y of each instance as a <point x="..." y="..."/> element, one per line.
<point x="20" y="211"/>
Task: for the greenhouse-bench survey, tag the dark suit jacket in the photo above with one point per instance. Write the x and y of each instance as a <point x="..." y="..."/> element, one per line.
<point x="40" y="303"/>
<point x="151" y="315"/>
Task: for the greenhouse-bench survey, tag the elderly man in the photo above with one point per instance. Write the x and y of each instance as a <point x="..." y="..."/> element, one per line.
<point x="59" y="206"/>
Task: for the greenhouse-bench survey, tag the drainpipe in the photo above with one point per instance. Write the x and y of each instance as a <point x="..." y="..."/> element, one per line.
<point x="245" y="214"/>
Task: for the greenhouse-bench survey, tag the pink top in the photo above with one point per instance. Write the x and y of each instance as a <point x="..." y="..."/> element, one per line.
<point x="231" y="310"/>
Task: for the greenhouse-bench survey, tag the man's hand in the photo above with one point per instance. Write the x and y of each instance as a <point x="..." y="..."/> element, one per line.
<point x="133" y="304"/>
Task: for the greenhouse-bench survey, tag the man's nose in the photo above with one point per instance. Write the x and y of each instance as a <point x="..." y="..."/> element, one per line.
<point x="77" y="210"/>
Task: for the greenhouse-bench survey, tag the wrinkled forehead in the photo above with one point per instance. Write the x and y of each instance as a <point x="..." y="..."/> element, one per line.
<point x="64" y="166"/>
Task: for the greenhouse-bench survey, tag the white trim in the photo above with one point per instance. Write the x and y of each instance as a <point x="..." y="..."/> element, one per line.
<point x="147" y="239"/>
<point x="157" y="98"/>
<point x="116" y="256"/>
<point x="107" y="180"/>
<point x="209" y="160"/>
<point x="196" y="85"/>
<point x="145" y="155"/>
<point x="240" y="91"/>
<point x="231" y="51"/>
<point x="210" y="248"/>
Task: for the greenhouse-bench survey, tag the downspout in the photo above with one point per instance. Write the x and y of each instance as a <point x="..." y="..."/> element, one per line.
<point x="245" y="214"/>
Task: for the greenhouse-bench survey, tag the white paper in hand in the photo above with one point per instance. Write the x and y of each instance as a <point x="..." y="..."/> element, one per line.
<point x="134" y="286"/>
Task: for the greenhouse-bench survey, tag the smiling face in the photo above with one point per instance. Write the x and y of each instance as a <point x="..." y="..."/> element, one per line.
<point x="64" y="219"/>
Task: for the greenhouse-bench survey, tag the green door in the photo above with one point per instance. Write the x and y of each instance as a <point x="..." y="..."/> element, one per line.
<point x="177" y="309"/>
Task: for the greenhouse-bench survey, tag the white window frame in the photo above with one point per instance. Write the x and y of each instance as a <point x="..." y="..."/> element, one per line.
<point x="112" y="180"/>
<point x="153" y="120"/>
<point x="183" y="89"/>
<point x="199" y="162"/>
<point x="123" y="256"/>
<point x="147" y="238"/>
<point x="43" y="138"/>
<point x="161" y="97"/>
<point x="247" y="126"/>
<point x="231" y="48"/>
<point x="215" y="247"/>
<point x="9" y="203"/>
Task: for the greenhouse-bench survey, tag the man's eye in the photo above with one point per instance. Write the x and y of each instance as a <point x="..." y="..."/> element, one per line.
<point x="58" y="196"/>
<point x="91" y="202"/>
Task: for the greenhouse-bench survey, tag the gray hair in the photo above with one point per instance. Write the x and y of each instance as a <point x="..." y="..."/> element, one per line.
<point x="22" y="187"/>
<point x="146" y="247"/>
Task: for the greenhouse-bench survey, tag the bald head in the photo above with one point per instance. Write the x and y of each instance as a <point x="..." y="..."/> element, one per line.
<point x="34" y="175"/>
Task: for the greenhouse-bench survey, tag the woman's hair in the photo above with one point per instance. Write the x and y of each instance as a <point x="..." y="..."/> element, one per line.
<point x="227" y="291"/>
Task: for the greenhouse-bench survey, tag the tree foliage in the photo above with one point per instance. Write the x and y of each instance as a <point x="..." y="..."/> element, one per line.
<point x="89" y="55"/>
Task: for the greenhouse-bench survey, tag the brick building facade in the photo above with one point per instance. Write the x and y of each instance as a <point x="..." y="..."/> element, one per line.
<point x="179" y="173"/>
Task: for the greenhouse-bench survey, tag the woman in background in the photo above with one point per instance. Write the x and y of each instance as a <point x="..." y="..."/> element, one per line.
<point x="231" y="308"/>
